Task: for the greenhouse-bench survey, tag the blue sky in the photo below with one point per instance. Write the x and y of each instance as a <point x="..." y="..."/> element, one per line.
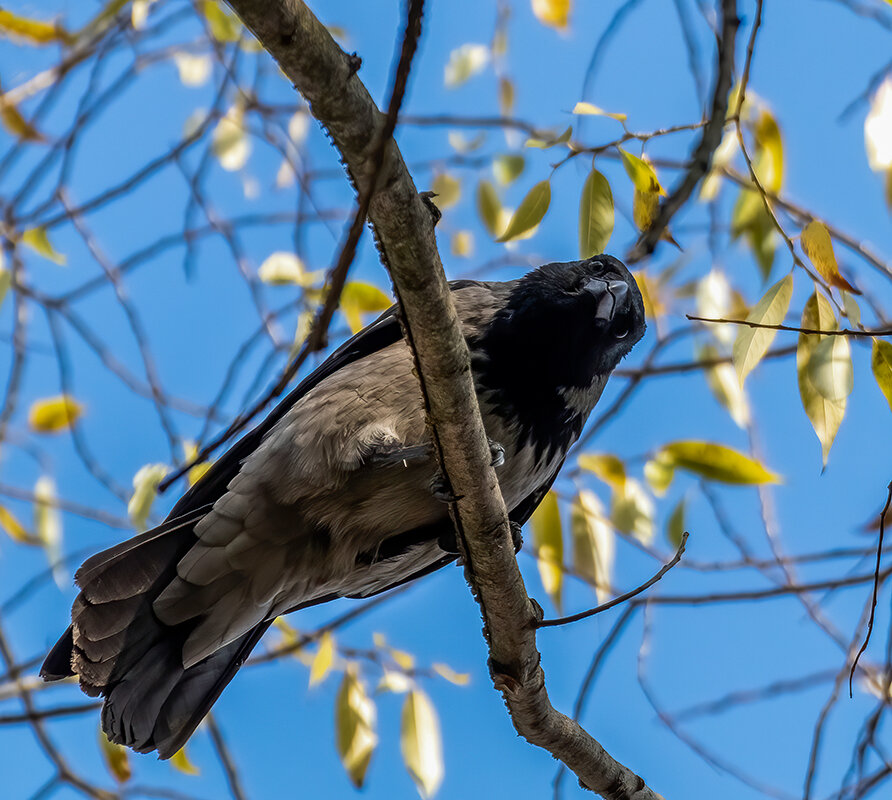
<point x="196" y="319"/>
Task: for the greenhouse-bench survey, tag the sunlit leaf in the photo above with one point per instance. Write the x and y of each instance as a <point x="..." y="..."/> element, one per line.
<point x="488" y="207"/>
<point x="462" y="144"/>
<point x="851" y="308"/>
<point x="632" y="511"/>
<point x="116" y="757"/>
<point x="360" y="298"/>
<point x="878" y="129"/>
<point x="675" y="524"/>
<point x="722" y="157"/>
<point x="769" y="160"/>
<point x="714" y="301"/>
<point x="507" y="168"/>
<point x="645" y="208"/>
<point x="448" y="190"/>
<point x="53" y="414"/>
<point x="593" y="542"/>
<point x="716" y="462"/>
<point x="465" y="62"/>
<point x="13" y="528"/>
<point x="606" y="466"/>
<point x="752" y="343"/>
<point x="196" y="473"/>
<point x="139" y="13"/>
<point x="48" y="526"/>
<point x="725" y="387"/>
<point x="283" y="268"/>
<point x="641" y="173"/>
<point x="355" y="718"/>
<point x="229" y="143"/>
<point x="596" y="215"/>
<point x="659" y="474"/>
<point x="529" y="213"/>
<point x="404" y="660"/>
<point x="818" y="246"/>
<point x="554" y="13"/>
<point x="32" y="31"/>
<point x="590" y="109"/>
<point x="445" y="671"/>
<point x="394" y="681"/>
<point x="16" y="124"/>
<point x="194" y="70"/>
<point x="881" y="364"/>
<point x="824" y="371"/>
<point x="421" y="743"/>
<point x="181" y="763"/>
<point x="461" y="244"/>
<point x="38" y="240"/>
<point x="550" y="141"/>
<point x="549" y="545"/>
<point x="145" y="486"/>
<point x="650" y="294"/>
<point x="223" y="24"/>
<point x="506" y="97"/>
<point x="323" y="661"/>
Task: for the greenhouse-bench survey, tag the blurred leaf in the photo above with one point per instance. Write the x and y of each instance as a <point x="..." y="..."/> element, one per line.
<point x="551" y="141"/>
<point x="355" y="717"/>
<point x="139" y="13"/>
<point x="714" y="301"/>
<point x="462" y="244"/>
<point x="32" y="31"/>
<point x="589" y="109"/>
<point x="824" y="370"/>
<point x="645" y="208"/>
<point x="632" y="512"/>
<point x="606" y="466"/>
<point x="145" y="486"/>
<point x="818" y="246"/>
<point x="529" y="213"/>
<point x="394" y="681"/>
<point x="752" y="343"/>
<point x="14" y="529"/>
<point x="283" y="269"/>
<point x="229" y="143"/>
<point x="181" y="763"/>
<point x="716" y="462"/>
<point x="549" y="544"/>
<point x="196" y="473"/>
<point x="675" y="524"/>
<point x="722" y="157"/>
<point x="507" y="168"/>
<point x="404" y="660"/>
<point x="768" y="163"/>
<point x="659" y="473"/>
<point x="878" y="130"/>
<point x="461" y="144"/>
<point x="596" y="216"/>
<point x="37" y="240"/>
<point x="223" y="24"/>
<point x="889" y="188"/>
<point x="465" y="62"/>
<point x="323" y="661"/>
<point x="116" y="758"/>
<point x="554" y="13"/>
<point x="852" y="309"/>
<point x="506" y="97"/>
<point x="488" y="207"/>
<point x="650" y="294"/>
<point x="53" y="414"/>
<point x="360" y="298"/>
<point x="723" y="383"/>
<point x="448" y="190"/>
<point x="593" y="542"/>
<point x="5" y="283"/>
<point x="194" y="70"/>
<point x="881" y="364"/>
<point x="445" y="671"/>
<point x="16" y="124"/>
<point x="641" y="173"/>
<point x="48" y="527"/>
<point x="421" y="744"/>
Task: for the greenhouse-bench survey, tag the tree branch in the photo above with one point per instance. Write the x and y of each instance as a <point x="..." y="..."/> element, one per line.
<point x="403" y="225"/>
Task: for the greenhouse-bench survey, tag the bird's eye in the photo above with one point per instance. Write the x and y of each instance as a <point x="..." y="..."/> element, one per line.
<point x="622" y="333"/>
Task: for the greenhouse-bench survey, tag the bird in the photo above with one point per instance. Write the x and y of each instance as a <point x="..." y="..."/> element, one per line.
<point x="336" y="494"/>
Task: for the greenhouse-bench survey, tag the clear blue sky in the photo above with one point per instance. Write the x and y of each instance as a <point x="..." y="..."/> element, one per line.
<point x="812" y="60"/>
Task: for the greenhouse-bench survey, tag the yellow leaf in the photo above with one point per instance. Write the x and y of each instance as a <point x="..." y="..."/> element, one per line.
<point x="13" y="527"/>
<point x="145" y="485"/>
<point x="16" y="124"/>
<point x="596" y="215"/>
<point x="881" y="364"/>
<point x="555" y="13"/>
<point x="462" y="244"/>
<point x="589" y="109"/>
<point x="606" y="466"/>
<point x="632" y="511"/>
<point x="818" y="246"/>
<point x="5" y="283"/>
<point x="529" y="213"/>
<point x="53" y="414"/>
<point x="465" y="62"/>
<point x="769" y="161"/>
<point x="421" y="744"/>
<point x="659" y="474"/>
<point x="716" y="462"/>
<point x="725" y="387"/>
<point x="355" y="718"/>
<point x="31" y="30"/>
<point x="650" y="294"/>
<point x="116" y="758"/>
<point x="362" y="298"/>
<point x="645" y="207"/>
<point x="549" y="545"/>
<point x="229" y="143"/>
<point x="752" y="343"/>
<point x="180" y="762"/>
<point x="283" y="269"/>
<point x="323" y="661"/>
<point x="37" y="240"/>
<point x="594" y="543"/>
<point x="642" y="174"/>
<point x="675" y="524"/>
<point x="878" y="129"/>
<point x="507" y="168"/>
<point x="196" y="473"/>
<point x="394" y="681"/>
<point x="488" y="207"/>
<point x="824" y="372"/>
<point x="506" y="97"/>
<point x="445" y="671"/>
<point x="448" y="190"/>
<point x="224" y="25"/>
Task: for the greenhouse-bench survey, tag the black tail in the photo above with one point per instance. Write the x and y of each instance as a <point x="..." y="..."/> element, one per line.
<point x="119" y="649"/>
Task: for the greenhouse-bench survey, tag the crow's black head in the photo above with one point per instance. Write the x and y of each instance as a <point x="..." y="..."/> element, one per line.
<point x="562" y="331"/>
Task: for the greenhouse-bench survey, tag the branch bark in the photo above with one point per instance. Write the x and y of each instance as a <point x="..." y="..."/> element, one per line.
<point x="403" y="224"/>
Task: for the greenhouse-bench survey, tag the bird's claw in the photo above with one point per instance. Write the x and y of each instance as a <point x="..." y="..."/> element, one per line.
<point x="497" y="452"/>
<point x="442" y="490"/>
<point x="516" y="536"/>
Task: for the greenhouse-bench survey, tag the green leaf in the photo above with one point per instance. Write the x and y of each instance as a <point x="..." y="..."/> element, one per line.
<point x="606" y="466"/>
<point x="752" y="343"/>
<point x="549" y="544"/>
<point x="360" y="298"/>
<point x="355" y="718"/>
<point x="529" y="213"/>
<point x="488" y="207"/>
<point x="881" y="364"/>
<point x="508" y="168"/>
<point x="37" y="240"/>
<point x="824" y="372"/>
<point x="641" y="173"/>
<point x="223" y="24"/>
<point x="421" y="743"/>
<point x="594" y="542"/>
<point x="596" y="216"/>
<point x="716" y="462"/>
<point x="659" y="474"/>
<point x="145" y="485"/>
<point x="551" y="141"/>
<point x="675" y="524"/>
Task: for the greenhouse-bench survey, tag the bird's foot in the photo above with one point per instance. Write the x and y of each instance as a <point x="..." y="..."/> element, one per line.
<point x="497" y="454"/>
<point x="516" y="536"/>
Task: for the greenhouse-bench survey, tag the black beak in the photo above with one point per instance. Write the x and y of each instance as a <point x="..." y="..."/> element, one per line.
<point x="609" y="294"/>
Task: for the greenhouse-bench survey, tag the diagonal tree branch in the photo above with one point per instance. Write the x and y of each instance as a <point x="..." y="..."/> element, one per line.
<point x="326" y="77"/>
